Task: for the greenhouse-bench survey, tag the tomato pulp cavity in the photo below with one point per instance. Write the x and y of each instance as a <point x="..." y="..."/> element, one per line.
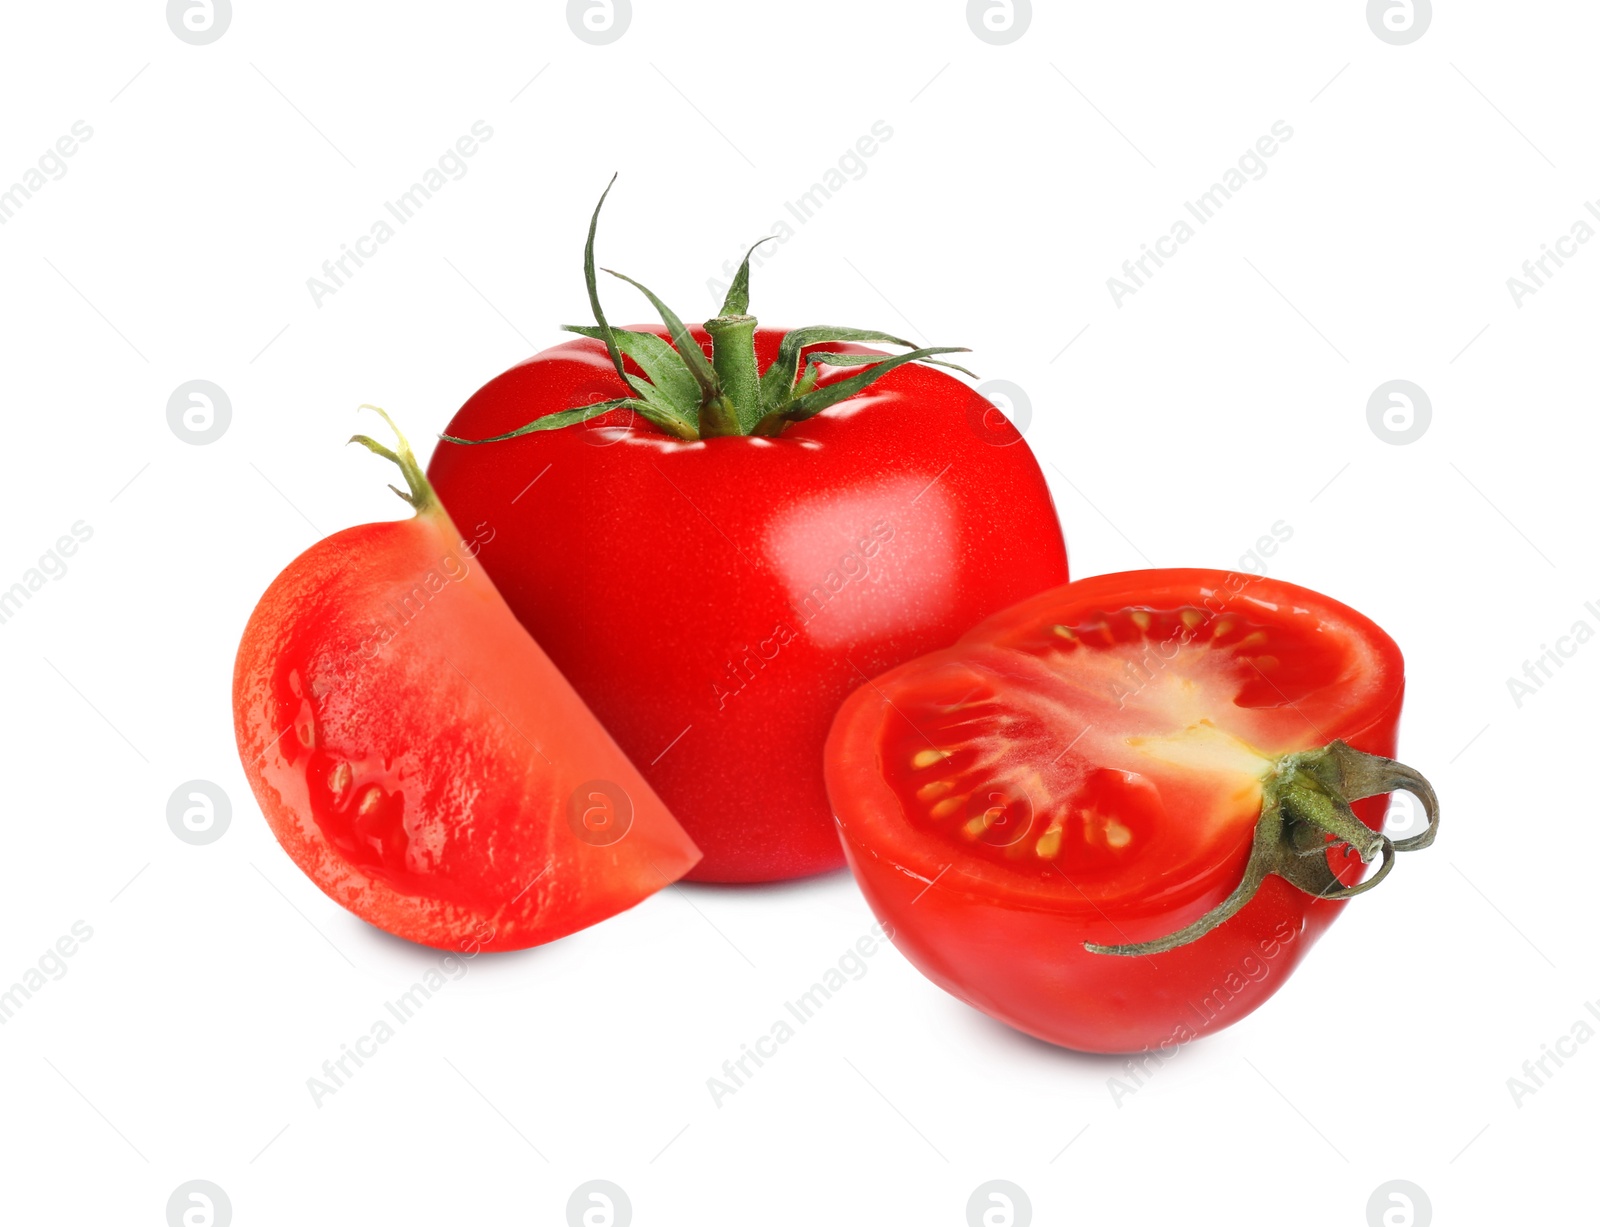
<point x="420" y="758"/>
<point x="717" y="542"/>
<point x="1107" y="815"/>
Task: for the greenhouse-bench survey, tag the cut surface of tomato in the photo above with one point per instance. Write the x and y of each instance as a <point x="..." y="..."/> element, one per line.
<point x="1089" y="766"/>
<point x="421" y="759"/>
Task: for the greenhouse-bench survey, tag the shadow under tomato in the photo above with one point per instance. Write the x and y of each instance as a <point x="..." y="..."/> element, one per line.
<point x="788" y="887"/>
<point x="388" y="946"/>
<point x="992" y="1033"/>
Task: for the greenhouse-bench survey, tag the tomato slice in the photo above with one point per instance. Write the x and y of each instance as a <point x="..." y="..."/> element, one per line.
<point x="422" y="760"/>
<point x="1098" y="753"/>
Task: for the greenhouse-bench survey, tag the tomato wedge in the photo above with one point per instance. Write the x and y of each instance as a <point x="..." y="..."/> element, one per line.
<point x="419" y="756"/>
<point x="1080" y="817"/>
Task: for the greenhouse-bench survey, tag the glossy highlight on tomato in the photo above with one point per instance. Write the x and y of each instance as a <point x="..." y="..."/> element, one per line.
<point x="420" y="758"/>
<point x="718" y="532"/>
<point x="714" y="601"/>
<point x="1084" y="772"/>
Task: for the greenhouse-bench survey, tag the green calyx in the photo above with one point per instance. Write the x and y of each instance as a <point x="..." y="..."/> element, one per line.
<point x="688" y="396"/>
<point x="1305" y="816"/>
<point x="420" y="495"/>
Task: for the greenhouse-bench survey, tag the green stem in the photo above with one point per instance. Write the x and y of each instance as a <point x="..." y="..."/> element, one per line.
<point x="1305" y="815"/>
<point x="689" y="397"/>
<point x="422" y="496"/>
<point x="770" y="425"/>
<point x="733" y="357"/>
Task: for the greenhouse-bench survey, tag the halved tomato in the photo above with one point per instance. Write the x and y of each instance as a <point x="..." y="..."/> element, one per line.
<point x="1080" y="817"/>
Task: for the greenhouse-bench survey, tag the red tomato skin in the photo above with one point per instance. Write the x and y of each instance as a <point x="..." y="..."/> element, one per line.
<point x="385" y="647"/>
<point x="715" y="601"/>
<point x="1025" y="964"/>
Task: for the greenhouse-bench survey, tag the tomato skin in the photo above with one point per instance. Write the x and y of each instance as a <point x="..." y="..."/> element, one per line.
<point x="382" y="663"/>
<point x="1019" y="956"/>
<point x="714" y="601"/>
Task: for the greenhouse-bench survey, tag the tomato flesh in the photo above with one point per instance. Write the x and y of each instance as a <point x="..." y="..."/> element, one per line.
<point x="421" y="759"/>
<point x="1088" y="767"/>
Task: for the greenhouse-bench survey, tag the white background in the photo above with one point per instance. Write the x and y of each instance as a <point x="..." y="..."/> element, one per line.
<point x="1228" y="394"/>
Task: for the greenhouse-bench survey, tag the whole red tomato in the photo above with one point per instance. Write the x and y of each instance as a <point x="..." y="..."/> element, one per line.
<point x="720" y="553"/>
<point x="1117" y="815"/>
<point x="420" y="758"/>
